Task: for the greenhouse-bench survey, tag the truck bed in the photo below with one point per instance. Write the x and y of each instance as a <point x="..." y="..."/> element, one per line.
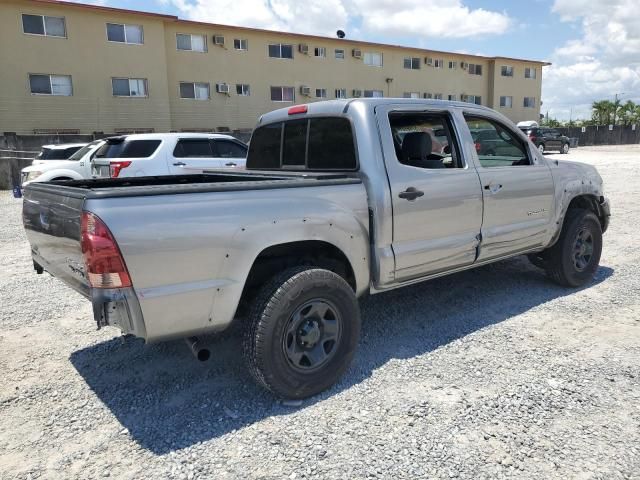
<point x="182" y="184"/>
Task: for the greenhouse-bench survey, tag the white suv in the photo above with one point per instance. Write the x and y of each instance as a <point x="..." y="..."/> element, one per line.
<point x="153" y="154"/>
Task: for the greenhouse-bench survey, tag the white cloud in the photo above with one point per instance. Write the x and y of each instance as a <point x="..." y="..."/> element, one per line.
<point x="418" y="18"/>
<point x="604" y="61"/>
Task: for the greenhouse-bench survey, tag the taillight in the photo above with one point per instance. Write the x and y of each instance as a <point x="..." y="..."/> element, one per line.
<point x="116" y="167"/>
<point x="478" y="146"/>
<point x="103" y="261"/>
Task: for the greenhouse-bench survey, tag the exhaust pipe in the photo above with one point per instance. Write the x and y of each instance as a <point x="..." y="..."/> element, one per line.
<point x="198" y="351"/>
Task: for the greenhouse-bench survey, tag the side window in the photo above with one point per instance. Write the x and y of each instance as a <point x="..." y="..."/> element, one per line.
<point x="196" y="147"/>
<point x="496" y="145"/>
<point x="228" y="149"/>
<point x="140" y="148"/>
<point x="424" y="140"/>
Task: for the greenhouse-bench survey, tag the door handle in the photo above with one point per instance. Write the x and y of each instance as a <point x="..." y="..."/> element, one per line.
<point x="411" y="194"/>
<point x="179" y="164"/>
<point x="493" y="187"/>
<point x="230" y="164"/>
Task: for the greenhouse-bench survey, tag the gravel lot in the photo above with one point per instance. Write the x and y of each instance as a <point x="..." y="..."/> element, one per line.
<point x="491" y="373"/>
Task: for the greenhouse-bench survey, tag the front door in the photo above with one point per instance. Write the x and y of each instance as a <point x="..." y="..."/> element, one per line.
<point x="517" y="190"/>
<point x="436" y="196"/>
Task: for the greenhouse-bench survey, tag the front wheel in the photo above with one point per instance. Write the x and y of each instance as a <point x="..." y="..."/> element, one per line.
<point x="575" y="257"/>
<point x="301" y="332"/>
<point x="565" y="148"/>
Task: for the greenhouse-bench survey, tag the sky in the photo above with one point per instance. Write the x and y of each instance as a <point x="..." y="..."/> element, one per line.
<point x="594" y="45"/>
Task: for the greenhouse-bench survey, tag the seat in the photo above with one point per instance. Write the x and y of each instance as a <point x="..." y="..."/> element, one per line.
<point x="416" y="149"/>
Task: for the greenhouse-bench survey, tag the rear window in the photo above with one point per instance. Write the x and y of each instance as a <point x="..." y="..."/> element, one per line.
<point x="314" y="144"/>
<point x="130" y="149"/>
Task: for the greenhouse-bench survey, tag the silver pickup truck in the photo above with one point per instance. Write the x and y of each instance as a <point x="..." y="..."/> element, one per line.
<point x="340" y="199"/>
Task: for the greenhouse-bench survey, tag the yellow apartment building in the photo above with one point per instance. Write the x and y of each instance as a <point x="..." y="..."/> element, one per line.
<point x="75" y="68"/>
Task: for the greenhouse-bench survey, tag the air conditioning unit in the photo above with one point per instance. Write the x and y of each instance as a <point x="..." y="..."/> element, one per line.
<point x="357" y="93"/>
<point x="356" y="53"/>
<point x="222" y="87"/>
<point x="218" y="40"/>
<point x="428" y="61"/>
<point x="304" y="90"/>
<point x="464" y="65"/>
<point x="303" y="48"/>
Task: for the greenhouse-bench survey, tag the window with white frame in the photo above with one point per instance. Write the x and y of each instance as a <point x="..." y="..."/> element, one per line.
<point x="320" y="52"/>
<point x="195" y="90"/>
<point x="282" y="94"/>
<point x="280" y="50"/>
<point x="243" y="89"/>
<point x="451" y="97"/>
<point x="453" y="65"/>
<point x="475" y="69"/>
<point x="411" y="95"/>
<point x="44" y="25"/>
<point x="44" y="84"/>
<point x="117" y="32"/>
<point x="341" y="93"/>
<point x="438" y="63"/>
<point x="194" y="43"/>
<point x="529" y="72"/>
<point x="373" y="59"/>
<point x="373" y="94"/>
<point x="321" y="93"/>
<point x="129" y="87"/>
<point x="437" y="96"/>
<point x="241" y="44"/>
<point x="506" y="101"/>
<point x="412" y="63"/>
<point x="506" y="71"/>
<point x="529" y="102"/>
<point x="339" y="52"/>
<point x="477" y="99"/>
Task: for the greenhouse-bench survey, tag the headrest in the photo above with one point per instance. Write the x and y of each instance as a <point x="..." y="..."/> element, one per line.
<point x="416" y="146"/>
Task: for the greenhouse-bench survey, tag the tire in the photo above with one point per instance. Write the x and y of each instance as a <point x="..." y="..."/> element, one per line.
<point x="541" y="148"/>
<point x="567" y="262"/>
<point x="564" y="149"/>
<point x="288" y="346"/>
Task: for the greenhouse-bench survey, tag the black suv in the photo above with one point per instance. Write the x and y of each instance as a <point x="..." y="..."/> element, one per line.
<point x="547" y="139"/>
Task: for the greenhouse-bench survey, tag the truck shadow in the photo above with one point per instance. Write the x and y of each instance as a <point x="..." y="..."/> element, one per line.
<point x="167" y="400"/>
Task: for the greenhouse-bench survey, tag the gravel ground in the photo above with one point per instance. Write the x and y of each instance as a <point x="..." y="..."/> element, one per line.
<point x="491" y="373"/>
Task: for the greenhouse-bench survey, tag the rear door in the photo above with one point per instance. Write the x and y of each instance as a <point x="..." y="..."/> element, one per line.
<point x="230" y="153"/>
<point x="517" y="190"/>
<point x="436" y="195"/>
<point x="193" y="155"/>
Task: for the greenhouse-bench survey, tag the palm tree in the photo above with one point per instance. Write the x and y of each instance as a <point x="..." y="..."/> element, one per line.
<point x="627" y="112"/>
<point x="601" y="112"/>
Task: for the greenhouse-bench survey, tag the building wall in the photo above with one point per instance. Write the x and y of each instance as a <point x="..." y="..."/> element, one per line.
<point x="92" y="61"/>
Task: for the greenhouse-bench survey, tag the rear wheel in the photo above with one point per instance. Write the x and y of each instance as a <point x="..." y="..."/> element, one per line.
<point x="575" y="257"/>
<point x="565" y="148"/>
<point x="301" y="332"/>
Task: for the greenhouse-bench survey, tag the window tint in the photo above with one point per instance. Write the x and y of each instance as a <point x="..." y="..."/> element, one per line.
<point x="295" y="142"/>
<point x="196" y="147"/>
<point x="331" y="145"/>
<point x="495" y="144"/>
<point x="264" y="148"/>
<point x="140" y="148"/>
<point x="229" y="149"/>
<point x="424" y="140"/>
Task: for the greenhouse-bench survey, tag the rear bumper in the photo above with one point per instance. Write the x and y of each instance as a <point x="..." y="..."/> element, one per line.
<point x="118" y="307"/>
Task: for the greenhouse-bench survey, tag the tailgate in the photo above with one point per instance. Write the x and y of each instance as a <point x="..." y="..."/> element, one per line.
<point x="51" y="216"/>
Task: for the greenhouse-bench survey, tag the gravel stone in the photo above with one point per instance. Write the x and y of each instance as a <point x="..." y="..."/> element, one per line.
<point x="491" y="373"/>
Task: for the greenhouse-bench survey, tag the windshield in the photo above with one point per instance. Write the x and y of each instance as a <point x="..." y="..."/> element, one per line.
<point x="57" y="153"/>
<point x="83" y="151"/>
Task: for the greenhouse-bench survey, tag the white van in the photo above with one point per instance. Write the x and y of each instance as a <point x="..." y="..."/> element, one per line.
<point x="151" y="154"/>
